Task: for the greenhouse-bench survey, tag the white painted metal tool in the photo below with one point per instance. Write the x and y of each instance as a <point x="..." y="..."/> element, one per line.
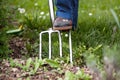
<point x="50" y="31"/>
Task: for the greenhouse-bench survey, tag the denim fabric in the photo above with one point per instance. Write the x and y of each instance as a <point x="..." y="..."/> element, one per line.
<point x="68" y="9"/>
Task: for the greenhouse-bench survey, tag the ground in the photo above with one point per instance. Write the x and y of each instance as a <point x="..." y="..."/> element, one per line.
<point x="9" y="71"/>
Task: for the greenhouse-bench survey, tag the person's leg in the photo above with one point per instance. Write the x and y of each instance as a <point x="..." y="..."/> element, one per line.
<point x="75" y="12"/>
<point x="66" y="9"/>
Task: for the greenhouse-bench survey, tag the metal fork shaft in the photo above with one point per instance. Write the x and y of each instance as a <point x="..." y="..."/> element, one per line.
<point x="70" y="46"/>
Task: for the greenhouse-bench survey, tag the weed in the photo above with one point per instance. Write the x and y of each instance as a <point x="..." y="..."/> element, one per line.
<point x="80" y="75"/>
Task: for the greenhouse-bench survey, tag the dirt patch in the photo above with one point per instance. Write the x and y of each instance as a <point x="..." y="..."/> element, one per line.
<point x="44" y="72"/>
<point x="17" y="45"/>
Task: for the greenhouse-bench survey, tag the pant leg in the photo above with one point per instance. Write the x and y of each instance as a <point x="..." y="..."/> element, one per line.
<point x="64" y="9"/>
<point x="67" y="9"/>
<point x="75" y="5"/>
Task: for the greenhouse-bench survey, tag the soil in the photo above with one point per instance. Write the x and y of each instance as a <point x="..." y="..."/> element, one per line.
<point x="10" y="72"/>
<point x="17" y="45"/>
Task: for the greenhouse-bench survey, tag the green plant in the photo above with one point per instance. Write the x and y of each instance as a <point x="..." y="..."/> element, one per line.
<point x="32" y="66"/>
<point x="53" y="63"/>
<point x="3" y="13"/>
<point x="25" y="67"/>
<point x="31" y="48"/>
<point x="37" y="20"/>
<point x="93" y="57"/>
<point x="36" y="65"/>
<point x="28" y="63"/>
<point x="4" y="38"/>
<point x="4" y="45"/>
<point x="69" y="75"/>
<point x="12" y="63"/>
<point x="80" y="75"/>
<point x="79" y="57"/>
<point x="115" y="17"/>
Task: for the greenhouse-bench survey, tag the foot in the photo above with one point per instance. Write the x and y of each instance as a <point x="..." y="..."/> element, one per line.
<point x="62" y="24"/>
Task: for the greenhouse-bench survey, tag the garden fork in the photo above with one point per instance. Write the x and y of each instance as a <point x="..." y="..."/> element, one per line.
<point x="50" y="31"/>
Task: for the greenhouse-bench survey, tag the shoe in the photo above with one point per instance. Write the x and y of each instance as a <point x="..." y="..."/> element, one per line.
<point x="62" y="24"/>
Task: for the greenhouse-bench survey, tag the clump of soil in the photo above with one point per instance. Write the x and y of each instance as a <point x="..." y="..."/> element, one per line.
<point x="17" y="45"/>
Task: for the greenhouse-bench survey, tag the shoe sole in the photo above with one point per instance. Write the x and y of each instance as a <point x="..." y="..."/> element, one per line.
<point x="63" y="28"/>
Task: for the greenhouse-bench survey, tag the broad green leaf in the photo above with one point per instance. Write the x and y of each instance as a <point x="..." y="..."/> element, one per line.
<point x="81" y="75"/>
<point x="41" y="62"/>
<point x="69" y="75"/>
<point x="52" y="63"/>
<point x="15" y="30"/>
<point x="36" y="67"/>
<point x="28" y="62"/>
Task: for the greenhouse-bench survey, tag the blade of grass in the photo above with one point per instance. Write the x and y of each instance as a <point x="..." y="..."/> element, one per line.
<point x="115" y="17"/>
